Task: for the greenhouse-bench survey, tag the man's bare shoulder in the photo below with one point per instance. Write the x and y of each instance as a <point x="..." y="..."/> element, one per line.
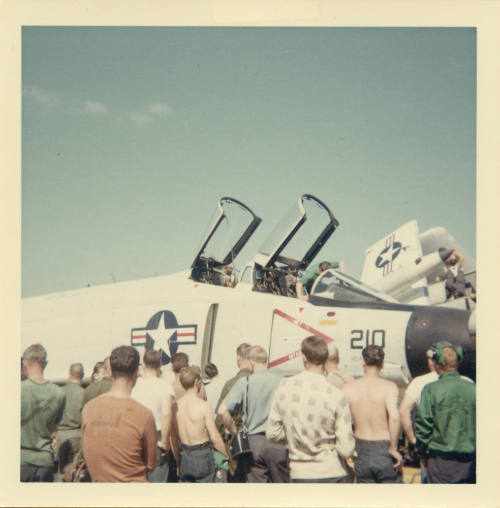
<point x="193" y="403"/>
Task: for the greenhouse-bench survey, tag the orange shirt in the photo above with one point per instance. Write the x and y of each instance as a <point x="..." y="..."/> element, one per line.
<point x="118" y="439"/>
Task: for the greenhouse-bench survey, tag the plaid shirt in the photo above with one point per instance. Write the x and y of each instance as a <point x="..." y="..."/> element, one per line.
<point x="314" y="419"/>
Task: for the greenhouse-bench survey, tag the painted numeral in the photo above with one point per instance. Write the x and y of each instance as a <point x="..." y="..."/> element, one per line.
<point x="362" y="338"/>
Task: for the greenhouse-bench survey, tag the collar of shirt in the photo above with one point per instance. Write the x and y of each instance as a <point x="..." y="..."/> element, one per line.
<point x="449" y="374"/>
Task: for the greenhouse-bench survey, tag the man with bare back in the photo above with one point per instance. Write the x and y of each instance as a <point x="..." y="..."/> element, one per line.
<point x="374" y="408"/>
<point x="198" y="434"/>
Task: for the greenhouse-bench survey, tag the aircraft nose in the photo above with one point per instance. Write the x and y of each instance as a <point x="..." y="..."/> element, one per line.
<point x="429" y="325"/>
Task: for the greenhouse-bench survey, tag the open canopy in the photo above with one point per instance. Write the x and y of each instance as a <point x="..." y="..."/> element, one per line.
<point x="299" y="236"/>
<point x="230" y="227"/>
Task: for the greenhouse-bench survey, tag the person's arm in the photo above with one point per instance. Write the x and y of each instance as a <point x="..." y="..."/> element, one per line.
<point x="424" y="421"/>
<point x="218" y="421"/>
<point x="231" y="401"/>
<point x="343" y="429"/>
<point x="150" y="444"/>
<point x="174" y="435"/>
<point x="394" y="424"/>
<point x="213" y="433"/>
<point x="226" y="419"/>
<point x="275" y="430"/>
<point x="202" y="394"/>
<point x="299" y="287"/>
<point x="166" y="421"/>
<point x="405" y="409"/>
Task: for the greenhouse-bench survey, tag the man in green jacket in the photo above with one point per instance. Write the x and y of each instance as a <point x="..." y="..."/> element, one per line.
<point x="97" y="388"/>
<point x="445" y="425"/>
<point x="306" y="282"/>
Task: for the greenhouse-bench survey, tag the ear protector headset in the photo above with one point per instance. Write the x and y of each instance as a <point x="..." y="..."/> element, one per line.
<point x="435" y="353"/>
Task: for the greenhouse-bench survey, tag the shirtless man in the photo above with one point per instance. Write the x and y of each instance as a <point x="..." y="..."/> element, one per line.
<point x="197" y="431"/>
<point x="374" y="409"/>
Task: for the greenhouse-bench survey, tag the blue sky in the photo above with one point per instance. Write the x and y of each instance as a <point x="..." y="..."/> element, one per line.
<point x="131" y="135"/>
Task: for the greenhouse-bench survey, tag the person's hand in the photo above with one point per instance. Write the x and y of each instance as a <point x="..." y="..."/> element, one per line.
<point x="350" y="461"/>
<point x="397" y="457"/>
<point x="163" y="447"/>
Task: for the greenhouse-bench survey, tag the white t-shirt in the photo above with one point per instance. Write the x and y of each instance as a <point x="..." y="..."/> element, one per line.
<point x="149" y="391"/>
<point x="417" y="384"/>
<point x="213" y="391"/>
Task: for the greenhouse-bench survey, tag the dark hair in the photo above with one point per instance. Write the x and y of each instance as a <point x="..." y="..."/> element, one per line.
<point x="152" y="359"/>
<point x="179" y="360"/>
<point x="242" y="350"/>
<point x="324" y="265"/>
<point x="315" y="350"/>
<point x="124" y="361"/>
<point x="36" y="353"/>
<point x="373" y="355"/>
<point x="76" y="370"/>
<point x="99" y="367"/>
<point x="211" y="370"/>
<point x="188" y="377"/>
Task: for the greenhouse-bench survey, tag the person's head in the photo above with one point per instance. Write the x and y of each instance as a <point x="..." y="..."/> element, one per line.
<point x="314" y="350"/>
<point x="124" y="362"/>
<point x="107" y="366"/>
<point x="447" y="356"/>
<point x="332" y="362"/>
<point x="152" y="359"/>
<point x="257" y="358"/>
<point x="196" y="369"/>
<point x="323" y="266"/>
<point x="429" y="355"/>
<point x="333" y="353"/>
<point x="35" y="358"/>
<point x="98" y="372"/>
<point x="211" y="370"/>
<point x="373" y="356"/>
<point x="242" y="355"/>
<point x="76" y="372"/>
<point x="190" y="378"/>
<point x="179" y="360"/>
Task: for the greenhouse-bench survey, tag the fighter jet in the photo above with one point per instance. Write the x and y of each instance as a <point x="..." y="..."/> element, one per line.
<point x="206" y="312"/>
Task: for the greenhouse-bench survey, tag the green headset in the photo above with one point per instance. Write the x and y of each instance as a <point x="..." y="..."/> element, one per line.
<point x="436" y="351"/>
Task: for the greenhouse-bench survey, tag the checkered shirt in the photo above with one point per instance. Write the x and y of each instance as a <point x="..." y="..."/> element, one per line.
<point x="314" y="419"/>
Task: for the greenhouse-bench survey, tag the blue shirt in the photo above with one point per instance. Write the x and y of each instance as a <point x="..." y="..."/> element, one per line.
<point x="261" y="386"/>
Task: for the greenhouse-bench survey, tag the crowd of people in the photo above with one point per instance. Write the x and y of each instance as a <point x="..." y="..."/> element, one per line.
<point x="141" y="422"/>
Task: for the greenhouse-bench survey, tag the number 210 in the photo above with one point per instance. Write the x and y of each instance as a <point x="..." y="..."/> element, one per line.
<point x="362" y="338"/>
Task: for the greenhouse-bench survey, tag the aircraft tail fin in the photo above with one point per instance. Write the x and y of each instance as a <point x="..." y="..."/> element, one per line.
<point x="385" y="259"/>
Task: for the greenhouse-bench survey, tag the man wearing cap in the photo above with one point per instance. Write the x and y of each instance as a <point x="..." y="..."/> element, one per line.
<point x="411" y="402"/>
<point x="445" y="426"/>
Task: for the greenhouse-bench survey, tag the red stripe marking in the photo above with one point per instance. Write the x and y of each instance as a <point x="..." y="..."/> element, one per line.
<point x="310" y="329"/>
<point x="185" y="334"/>
<point x="138" y="336"/>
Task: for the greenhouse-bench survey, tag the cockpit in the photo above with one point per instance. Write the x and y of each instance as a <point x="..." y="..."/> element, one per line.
<point x="344" y="288"/>
<point x="230" y="227"/>
<point x="292" y="245"/>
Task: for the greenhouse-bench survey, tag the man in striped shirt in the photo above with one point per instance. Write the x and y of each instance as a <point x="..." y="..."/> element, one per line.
<point x="312" y="417"/>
